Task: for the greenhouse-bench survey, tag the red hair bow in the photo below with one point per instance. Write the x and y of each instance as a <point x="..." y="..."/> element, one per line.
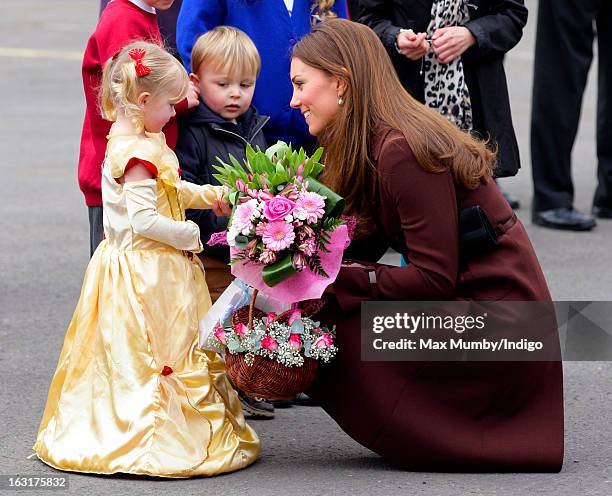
<point x="137" y="54"/>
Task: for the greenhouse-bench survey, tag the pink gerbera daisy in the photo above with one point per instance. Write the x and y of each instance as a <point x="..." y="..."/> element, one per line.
<point x="278" y="235"/>
<point x="313" y="203"/>
<point x="244" y="215"/>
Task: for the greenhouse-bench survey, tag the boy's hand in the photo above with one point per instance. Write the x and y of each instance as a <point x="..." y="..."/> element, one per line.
<point x="221" y="207"/>
<point x="193" y="95"/>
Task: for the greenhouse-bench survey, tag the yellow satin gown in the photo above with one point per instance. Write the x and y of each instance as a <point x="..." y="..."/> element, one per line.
<point x="132" y="392"/>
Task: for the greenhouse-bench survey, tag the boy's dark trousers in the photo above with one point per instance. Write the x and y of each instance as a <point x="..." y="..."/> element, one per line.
<point x="564" y="50"/>
<point x="96" y="228"/>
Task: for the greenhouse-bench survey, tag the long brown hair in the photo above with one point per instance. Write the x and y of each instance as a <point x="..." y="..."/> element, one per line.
<point x="374" y="96"/>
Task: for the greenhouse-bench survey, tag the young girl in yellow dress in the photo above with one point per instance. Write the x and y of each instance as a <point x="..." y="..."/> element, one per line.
<point x="132" y="392"/>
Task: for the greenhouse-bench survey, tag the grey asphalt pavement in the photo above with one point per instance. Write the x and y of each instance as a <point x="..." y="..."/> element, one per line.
<point x="44" y="251"/>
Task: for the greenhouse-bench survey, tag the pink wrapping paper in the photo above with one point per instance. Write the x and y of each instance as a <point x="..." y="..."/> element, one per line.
<point x="303" y="285"/>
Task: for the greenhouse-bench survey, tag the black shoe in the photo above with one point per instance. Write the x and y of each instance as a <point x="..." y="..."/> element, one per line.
<point x="511" y="199"/>
<point x="566" y="218"/>
<point x="302" y="399"/>
<point x="255" y="407"/>
<point x="282" y="403"/>
<point x="602" y="212"/>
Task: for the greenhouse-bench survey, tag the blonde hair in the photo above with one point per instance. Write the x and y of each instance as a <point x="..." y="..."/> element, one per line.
<point x="226" y="46"/>
<point x="374" y="96"/>
<point x="322" y="8"/>
<point x="121" y="86"/>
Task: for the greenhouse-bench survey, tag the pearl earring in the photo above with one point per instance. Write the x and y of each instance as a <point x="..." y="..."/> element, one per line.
<point x="340" y="101"/>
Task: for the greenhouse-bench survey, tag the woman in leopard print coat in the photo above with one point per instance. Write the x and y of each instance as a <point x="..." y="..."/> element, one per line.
<point x="493" y="27"/>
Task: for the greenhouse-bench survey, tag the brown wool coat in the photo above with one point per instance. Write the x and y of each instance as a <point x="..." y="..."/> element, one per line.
<point x="442" y="416"/>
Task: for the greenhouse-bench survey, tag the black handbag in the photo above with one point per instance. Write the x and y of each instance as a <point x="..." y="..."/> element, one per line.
<point x="476" y="235"/>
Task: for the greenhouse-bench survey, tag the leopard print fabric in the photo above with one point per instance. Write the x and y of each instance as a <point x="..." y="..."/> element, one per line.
<point x="446" y="90"/>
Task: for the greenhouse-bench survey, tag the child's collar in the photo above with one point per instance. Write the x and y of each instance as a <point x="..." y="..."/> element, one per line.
<point x="143" y="6"/>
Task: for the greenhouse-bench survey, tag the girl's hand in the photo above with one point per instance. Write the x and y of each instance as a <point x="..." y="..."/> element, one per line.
<point x="450" y="43"/>
<point x="221" y="207"/>
<point x="411" y="45"/>
<point x="193" y="95"/>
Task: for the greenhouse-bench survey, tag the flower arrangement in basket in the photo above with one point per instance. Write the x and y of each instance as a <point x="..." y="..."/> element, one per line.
<point x="286" y="240"/>
<point x="273" y="356"/>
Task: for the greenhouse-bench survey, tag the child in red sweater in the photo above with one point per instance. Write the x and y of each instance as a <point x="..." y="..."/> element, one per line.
<point x="121" y="22"/>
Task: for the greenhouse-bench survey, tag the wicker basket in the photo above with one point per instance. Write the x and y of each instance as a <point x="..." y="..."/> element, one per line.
<point x="266" y="378"/>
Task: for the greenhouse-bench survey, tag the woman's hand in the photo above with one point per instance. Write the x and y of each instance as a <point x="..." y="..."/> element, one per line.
<point x="450" y="43"/>
<point x="411" y="45"/>
<point x="352" y="265"/>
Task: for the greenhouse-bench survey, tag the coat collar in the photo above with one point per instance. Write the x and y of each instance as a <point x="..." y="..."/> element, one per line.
<point x="377" y="139"/>
<point x="249" y="123"/>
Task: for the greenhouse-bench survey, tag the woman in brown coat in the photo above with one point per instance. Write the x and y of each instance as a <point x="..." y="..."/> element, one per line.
<point x="407" y="174"/>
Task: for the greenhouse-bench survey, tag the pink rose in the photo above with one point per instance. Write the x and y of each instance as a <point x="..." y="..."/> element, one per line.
<point x="241" y="329"/>
<point x="278" y="208"/>
<point x="269" y="343"/>
<point x="295" y="342"/>
<point x="323" y="341"/>
<point x="220" y="334"/>
<point x="270" y="318"/>
<point x="294" y="315"/>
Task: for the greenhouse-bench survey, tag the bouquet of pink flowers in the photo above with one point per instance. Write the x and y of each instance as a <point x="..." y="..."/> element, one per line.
<point x="284" y="223"/>
<point x="286" y="240"/>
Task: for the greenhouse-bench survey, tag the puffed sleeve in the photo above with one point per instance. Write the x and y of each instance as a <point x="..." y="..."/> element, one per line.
<point x="426" y="206"/>
<point x="129" y="152"/>
<point x="200" y="196"/>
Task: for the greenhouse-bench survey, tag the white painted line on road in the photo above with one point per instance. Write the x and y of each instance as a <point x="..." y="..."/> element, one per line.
<point x="40" y="54"/>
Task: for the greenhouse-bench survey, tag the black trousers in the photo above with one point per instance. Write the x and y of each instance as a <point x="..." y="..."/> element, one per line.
<point x="564" y="51"/>
<point x="96" y="228"/>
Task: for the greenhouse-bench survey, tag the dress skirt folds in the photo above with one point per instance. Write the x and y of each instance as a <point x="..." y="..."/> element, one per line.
<point x="132" y="391"/>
